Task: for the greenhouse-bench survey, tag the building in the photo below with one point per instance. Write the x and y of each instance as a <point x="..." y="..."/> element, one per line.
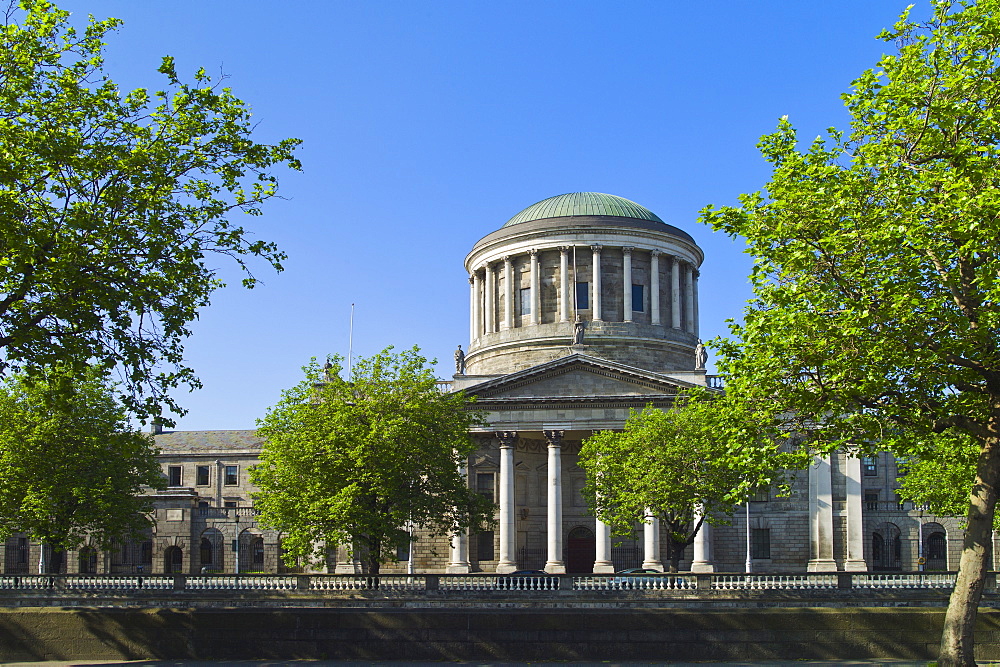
<point x="582" y="307"/>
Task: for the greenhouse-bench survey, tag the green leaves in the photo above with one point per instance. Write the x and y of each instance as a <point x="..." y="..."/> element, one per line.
<point x="353" y="461"/>
<point x="110" y="203"/>
<point x="70" y="464"/>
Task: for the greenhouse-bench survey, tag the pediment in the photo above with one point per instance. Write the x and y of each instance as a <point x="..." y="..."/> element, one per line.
<point x="578" y="376"/>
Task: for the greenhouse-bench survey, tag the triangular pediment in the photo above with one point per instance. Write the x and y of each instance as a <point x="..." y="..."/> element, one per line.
<point x="578" y="376"/>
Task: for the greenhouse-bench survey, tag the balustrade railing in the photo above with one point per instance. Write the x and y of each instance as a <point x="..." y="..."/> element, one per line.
<point x="418" y="584"/>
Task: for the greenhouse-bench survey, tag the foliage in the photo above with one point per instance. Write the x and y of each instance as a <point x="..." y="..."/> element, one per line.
<point x="683" y="466"/>
<point x="942" y="477"/>
<point x="355" y="462"/>
<point x="877" y="272"/>
<point x="70" y="464"/>
<point x="111" y="204"/>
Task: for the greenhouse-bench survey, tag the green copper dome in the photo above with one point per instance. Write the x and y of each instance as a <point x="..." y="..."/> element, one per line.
<point x="583" y="203"/>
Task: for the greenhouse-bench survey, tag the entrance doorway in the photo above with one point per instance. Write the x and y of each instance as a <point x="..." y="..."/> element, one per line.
<point x="581" y="550"/>
<point x="173" y="560"/>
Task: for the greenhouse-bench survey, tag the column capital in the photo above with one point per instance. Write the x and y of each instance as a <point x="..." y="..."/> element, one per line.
<point x="507" y="439"/>
<point x="565" y="248"/>
<point x="533" y="252"/>
<point x="506" y="259"/>
<point x="472" y="278"/>
<point x="655" y="253"/>
<point x="596" y="248"/>
<point x="628" y="250"/>
<point x="554" y="438"/>
<point x="695" y="272"/>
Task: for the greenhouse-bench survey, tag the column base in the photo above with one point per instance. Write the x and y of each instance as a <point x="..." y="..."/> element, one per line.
<point x="457" y="568"/>
<point x="702" y="566"/>
<point x="822" y="565"/>
<point x="652" y="565"/>
<point x="604" y="567"/>
<point x="347" y="568"/>
<point x="555" y="567"/>
<point x="506" y="567"/>
<point x="855" y="565"/>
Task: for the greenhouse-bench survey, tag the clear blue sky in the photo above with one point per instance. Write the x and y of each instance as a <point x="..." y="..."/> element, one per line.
<point x="426" y="125"/>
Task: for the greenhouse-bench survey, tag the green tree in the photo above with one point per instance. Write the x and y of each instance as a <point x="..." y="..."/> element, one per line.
<point x="357" y="462"/>
<point x="683" y="466"/>
<point x="111" y="203"/>
<point x="71" y="467"/>
<point x="877" y="272"/>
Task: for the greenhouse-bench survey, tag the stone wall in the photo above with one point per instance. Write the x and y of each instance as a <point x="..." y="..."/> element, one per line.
<point x="479" y="634"/>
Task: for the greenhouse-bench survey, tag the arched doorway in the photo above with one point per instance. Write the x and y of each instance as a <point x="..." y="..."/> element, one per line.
<point x="88" y="560"/>
<point x="581" y="550"/>
<point x="173" y="560"/>
<point x="887" y="548"/>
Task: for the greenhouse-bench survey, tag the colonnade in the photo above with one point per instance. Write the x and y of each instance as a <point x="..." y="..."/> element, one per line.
<point x="554" y="563"/>
<point x="485" y="319"/>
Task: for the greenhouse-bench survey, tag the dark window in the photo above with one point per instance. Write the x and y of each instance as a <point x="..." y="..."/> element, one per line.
<point x="258" y="551"/>
<point x="202" y="477"/>
<point x="484" y="546"/>
<point x="869" y="465"/>
<point x="760" y="543"/>
<point x="937" y="546"/>
<point x="206" y="551"/>
<point x="403" y="550"/>
<point x="232" y="475"/>
<point x="637" y="299"/>
<point x="761" y="494"/>
<point x="526" y="301"/>
<point x="582" y="296"/>
<point x="484" y="485"/>
<point x="230" y="503"/>
<point x="174" y="475"/>
<point x="871" y="500"/>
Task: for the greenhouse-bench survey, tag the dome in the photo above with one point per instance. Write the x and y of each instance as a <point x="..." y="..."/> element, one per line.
<point x="583" y="203"/>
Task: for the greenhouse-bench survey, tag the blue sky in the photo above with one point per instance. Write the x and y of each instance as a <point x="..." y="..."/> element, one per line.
<point x="426" y="125"/>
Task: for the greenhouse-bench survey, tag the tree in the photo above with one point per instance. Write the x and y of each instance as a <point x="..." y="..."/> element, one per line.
<point x="71" y="467"/>
<point x="683" y="466"/>
<point x="360" y="461"/>
<point x="111" y="204"/>
<point x="877" y="275"/>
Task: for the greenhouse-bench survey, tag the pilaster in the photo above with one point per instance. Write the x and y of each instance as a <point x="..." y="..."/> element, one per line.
<point x="654" y="286"/>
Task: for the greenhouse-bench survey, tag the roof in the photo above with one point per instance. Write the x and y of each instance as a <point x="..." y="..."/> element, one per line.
<point x="197" y="442"/>
<point x="583" y="203"/>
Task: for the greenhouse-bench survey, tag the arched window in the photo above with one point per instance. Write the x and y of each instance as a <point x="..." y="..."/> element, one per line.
<point x="937" y="547"/>
<point x="258" y="551"/>
<point x="207" y="552"/>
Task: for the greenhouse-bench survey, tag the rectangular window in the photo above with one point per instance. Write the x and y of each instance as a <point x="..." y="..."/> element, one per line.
<point x="232" y="475"/>
<point x="229" y="503"/>
<point x="871" y="500"/>
<point x="174" y="475"/>
<point x="869" y="466"/>
<point x="902" y="466"/>
<point x="484" y="546"/>
<point x="403" y="550"/>
<point x="637" y="299"/>
<point x="202" y="476"/>
<point x="582" y="296"/>
<point x="485" y="485"/>
<point x="761" y="494"/>
<point x="760" y="543"/>
<point x="525" y="301"/>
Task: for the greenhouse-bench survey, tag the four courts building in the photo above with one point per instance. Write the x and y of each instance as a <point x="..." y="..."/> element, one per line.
<point x="582" y="307"/>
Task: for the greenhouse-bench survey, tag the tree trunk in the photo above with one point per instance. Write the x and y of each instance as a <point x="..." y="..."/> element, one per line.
<point x="957" y="637"/>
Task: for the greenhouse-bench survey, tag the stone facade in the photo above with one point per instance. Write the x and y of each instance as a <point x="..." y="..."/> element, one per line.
<point x="545" y="388"/>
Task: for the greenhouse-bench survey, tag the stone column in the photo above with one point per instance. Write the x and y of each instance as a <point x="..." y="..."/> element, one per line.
<point x="491" y="289"/>
<point x="473" y="332"/>
<point x="535" y="300"/>
<point x="821" y="516"/>
<point x="689" y="298"/>
<point x="654" y="286"/>
<point x="564" y="292"/>
<point x="702" y="557"/>
<point x="554" y="563"/>
<point x="651" y="544"/>
<point x="508" y="301"/>
<point x="855" y="534"/>
<point x="479" y="304"/>
<point x="595" y="281"/>
<point x="459" y="561"/>
<point x="694" y="291"/>
<point x="602" y="554"/>
<point x="508" y="527"/>
<point x="627" y="284"/>
<point x="675" y="292"/>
